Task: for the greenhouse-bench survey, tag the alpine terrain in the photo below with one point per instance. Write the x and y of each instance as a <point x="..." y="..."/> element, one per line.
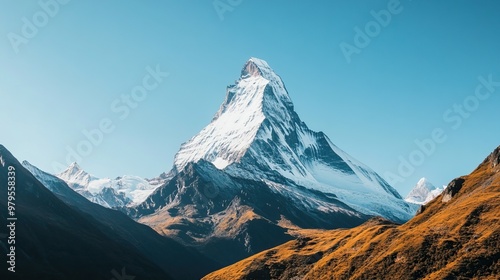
<point x="59" y="234"/>
<point x="423" y="192"/>
<point x="53" y="240"/>
<point x="111" y="193"/>
<point x="257" y="173"/>
<point x="456" y="236"/>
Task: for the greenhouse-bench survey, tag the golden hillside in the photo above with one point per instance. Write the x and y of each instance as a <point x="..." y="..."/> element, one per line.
<point x="456" y="236"/>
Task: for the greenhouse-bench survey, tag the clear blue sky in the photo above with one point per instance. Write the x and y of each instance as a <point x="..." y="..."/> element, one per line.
<point x="395" y="90"/>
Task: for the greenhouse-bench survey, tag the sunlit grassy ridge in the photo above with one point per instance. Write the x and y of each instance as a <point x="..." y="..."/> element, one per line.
<point x="458" y="239"/>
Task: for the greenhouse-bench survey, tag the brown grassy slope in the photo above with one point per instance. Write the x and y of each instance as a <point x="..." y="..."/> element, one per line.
<point x="457" y="239"/>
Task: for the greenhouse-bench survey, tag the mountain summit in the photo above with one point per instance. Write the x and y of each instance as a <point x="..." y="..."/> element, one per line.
<point x="258" y="95"/>
<point x="257" y="134"/>
<point x="257" y="172"/>
<point x="423" y="192"/>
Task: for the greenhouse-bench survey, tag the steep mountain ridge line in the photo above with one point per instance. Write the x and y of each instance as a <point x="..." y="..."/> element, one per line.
<point x="169" y="255"/>
<point x="55" y="241"/>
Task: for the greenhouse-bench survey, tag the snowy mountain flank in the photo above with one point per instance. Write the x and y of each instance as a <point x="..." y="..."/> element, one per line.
<point x="257" y="171"/>
<point x="423" y="192"/>
<point x="111" y="193"/>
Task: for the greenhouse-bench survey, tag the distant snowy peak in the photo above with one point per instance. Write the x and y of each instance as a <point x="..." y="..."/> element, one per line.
<point x="423" y="192"/>
<point x="77" y="176"/>
<point x="122" y="191"/>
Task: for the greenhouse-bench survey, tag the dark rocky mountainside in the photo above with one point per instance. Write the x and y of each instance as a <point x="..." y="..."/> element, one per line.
<point x="55" y="241"/>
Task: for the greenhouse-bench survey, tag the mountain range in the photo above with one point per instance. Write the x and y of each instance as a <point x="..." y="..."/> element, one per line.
<point x="257" y="172"/>
<point x="57" y="241"/>
<point x="456" y="236"/>
<point x="254" y="178"/>
<point x="111" y="193"/>
<point x="62" y="235"/>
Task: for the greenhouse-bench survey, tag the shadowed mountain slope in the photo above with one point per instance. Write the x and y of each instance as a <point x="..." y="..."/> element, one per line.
<point x="54" y="241"/>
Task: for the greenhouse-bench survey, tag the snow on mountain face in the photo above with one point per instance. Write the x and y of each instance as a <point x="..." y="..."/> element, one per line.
<point x="256" y="134"/>
<point x="234" y="127"/>
<point x="423" y="192"/>
<point x="122" y="191"/>
<point x="40" y="175"/>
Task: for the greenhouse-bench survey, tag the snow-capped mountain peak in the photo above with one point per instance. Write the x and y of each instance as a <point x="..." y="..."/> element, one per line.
<point x="257" y="67"/>
<point x="75" y="174"/>
<point x="257" y="134"/>
<point x="122" y="191"/>
<point x="258" y="94"/>
<point x="424" y="183"/>
<point x="257" y="167"/>
<point x="423" y="192"/>
<point x="73" y="169"/>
